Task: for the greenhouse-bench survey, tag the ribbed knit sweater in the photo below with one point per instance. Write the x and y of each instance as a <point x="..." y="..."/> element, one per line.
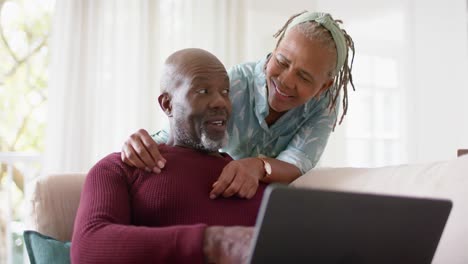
<point x="128" y="215"/>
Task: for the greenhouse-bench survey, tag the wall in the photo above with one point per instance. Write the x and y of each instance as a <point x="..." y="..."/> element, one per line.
<point x="263" y="19"/>
<point x="438" y="115"/>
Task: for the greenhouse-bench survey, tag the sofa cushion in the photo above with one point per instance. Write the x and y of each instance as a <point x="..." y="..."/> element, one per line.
<point x="54" y="204"/>
<point x="444" y="179"/>
<point x="46" y="250"/>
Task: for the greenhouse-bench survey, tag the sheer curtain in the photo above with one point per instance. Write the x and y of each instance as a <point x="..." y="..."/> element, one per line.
<point x="106" y="57"/>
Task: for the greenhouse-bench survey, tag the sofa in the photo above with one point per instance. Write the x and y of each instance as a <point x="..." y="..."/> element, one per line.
<point x="55" y="197"/>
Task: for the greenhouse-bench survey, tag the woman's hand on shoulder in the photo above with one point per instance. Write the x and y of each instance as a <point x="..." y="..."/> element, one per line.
<point x="141" y="151"/>
<point x="239" y="177"/>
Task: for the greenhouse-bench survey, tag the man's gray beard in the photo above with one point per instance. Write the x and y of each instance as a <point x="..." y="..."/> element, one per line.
<point x="211" y="144"/>
<point x="205" y="144"/>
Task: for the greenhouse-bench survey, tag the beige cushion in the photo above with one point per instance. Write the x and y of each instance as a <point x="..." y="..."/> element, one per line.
<point x="446" y="179"/>
<point x="54" y="204"/>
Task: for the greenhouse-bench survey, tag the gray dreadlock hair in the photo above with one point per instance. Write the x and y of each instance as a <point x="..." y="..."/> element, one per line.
<point x="315" y="31"/>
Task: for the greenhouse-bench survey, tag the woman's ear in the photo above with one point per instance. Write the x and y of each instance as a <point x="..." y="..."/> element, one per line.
<point x="166" y="104"/>
<point x="325" y="87"/>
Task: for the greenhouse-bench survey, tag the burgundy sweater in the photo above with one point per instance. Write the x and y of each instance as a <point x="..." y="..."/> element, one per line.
<point x="128" y="215"/>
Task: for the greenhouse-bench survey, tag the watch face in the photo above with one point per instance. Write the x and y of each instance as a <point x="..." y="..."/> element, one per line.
<point x="267" y="167"/>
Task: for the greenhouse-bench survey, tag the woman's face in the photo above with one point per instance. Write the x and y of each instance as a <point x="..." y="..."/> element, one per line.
<point x="297" y="71"/>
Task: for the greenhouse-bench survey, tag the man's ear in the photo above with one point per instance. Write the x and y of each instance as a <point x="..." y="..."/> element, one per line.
<point x="166" y="104"/>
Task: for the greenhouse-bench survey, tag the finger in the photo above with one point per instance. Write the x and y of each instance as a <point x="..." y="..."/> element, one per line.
<point x="247" y="182"/>
<point x="130" y="157"/>
<point x="143" y="154"/>
<point x="250" y="183"/>
<point x="156" y="170"/>
<point x="252" y="191"/>
<point x="252" y="187"/>
<point x="235" y="186"/>
<point x="223" y="181"/>
<point x="243" y="190"/>
<point x="152" y="148"/>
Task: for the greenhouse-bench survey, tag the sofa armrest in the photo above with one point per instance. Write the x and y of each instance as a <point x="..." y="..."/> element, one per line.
<point x="54" y="203"/>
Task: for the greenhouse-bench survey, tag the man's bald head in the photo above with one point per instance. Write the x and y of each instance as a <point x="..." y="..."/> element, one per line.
<point x="184" y="64"/>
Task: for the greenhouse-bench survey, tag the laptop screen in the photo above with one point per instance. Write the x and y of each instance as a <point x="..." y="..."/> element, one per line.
<point x="318" y="226"/>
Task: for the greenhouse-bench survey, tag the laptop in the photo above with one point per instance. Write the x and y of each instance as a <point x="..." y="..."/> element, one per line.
<point x="296" y="225"/>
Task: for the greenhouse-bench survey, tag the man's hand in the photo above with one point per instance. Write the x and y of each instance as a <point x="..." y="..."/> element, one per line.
<point x="141" y="151"/>
<point x="239" y="177"/>
<point x="227" y="244"/>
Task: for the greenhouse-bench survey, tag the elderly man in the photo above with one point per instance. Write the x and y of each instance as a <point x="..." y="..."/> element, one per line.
<point x="129" y="215"/>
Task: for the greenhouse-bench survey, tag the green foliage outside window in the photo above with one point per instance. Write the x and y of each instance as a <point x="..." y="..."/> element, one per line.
<point x="25" y="27"/>
<point x="24" y="58"/>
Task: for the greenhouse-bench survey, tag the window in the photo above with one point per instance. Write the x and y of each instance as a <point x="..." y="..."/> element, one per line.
<point x="24" y="57"/>
<point x="373" y="132"/>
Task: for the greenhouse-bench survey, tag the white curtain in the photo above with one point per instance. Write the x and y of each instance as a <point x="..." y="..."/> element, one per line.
<point x="106" y="57"/>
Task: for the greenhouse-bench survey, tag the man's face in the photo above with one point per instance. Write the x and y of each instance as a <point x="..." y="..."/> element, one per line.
<point x="201" y="108"/>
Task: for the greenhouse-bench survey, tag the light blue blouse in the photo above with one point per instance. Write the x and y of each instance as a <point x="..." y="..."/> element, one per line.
<point x="298" y="137"/>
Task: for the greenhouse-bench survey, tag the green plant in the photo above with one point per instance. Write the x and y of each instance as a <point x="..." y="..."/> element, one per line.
<point x="24" y="59"/>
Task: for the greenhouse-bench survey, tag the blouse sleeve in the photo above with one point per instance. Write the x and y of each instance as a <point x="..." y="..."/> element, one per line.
<point x="161" y="136"/>
<point x="307" y="146"/>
